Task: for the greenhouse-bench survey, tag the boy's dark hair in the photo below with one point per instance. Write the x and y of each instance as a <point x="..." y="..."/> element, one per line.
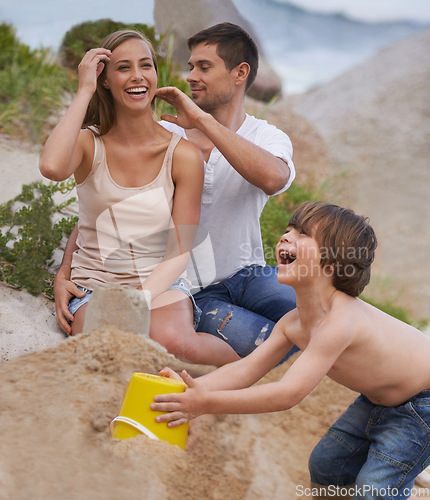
<point x="234" y="46"/>
<point x="347" y="242"/>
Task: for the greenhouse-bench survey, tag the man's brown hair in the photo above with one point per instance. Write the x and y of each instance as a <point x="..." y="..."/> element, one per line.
<point x="234" y="46"/>
<point x="347" y="242"/>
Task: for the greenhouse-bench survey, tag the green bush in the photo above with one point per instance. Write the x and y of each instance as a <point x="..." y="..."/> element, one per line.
<point x="32" y="87"/>
<point x="29" y="236"/>
<point x="88" y="35"/>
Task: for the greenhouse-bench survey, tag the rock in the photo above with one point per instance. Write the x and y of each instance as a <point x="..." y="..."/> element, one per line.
<point x="115" y="306"/>
<point x="196" y="15"/>
<point x="375" y="122"/>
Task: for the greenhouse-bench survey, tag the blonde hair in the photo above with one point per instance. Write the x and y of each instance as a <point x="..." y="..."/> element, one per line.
<point x="101" y="112"/>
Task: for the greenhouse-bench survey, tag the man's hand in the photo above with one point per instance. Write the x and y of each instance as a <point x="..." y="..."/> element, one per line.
<point x="188" y="113"/>
<point x="182" y="407"/>
<point x="64" y="290"/>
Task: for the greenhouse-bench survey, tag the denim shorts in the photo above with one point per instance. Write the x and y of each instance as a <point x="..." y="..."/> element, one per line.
<point x="379" y="448"/>
<point x="243" y="309"/>
<point x="180" y="284"/>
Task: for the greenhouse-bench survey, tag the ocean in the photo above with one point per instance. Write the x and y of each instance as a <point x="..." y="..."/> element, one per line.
<point x="308" y="48"/>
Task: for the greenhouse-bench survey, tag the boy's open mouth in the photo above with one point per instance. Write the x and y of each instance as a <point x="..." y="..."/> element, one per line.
<point x="286" y="258"/>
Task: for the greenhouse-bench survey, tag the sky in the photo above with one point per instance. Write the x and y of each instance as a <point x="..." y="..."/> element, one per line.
<point x="44" y="22"/>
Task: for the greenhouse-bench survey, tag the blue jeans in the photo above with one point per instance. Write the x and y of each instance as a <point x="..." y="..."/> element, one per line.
<point x="380" y="449"/>
<point x="243" y="309"/>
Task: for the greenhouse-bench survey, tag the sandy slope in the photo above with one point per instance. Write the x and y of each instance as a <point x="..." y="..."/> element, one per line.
<point x="56" y="407"/>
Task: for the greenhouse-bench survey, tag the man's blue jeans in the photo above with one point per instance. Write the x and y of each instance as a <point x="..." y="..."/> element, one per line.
<point x="380" y="449"/>
<point x="243" y="309"/>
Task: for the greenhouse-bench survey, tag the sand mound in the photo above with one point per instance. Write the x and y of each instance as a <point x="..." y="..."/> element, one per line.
<point x="56" y="406"/>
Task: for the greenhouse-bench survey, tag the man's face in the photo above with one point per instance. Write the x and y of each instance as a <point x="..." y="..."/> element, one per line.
<point x="212" y="84"/>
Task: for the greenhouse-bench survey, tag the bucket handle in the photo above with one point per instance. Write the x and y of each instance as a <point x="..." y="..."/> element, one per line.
<point x="134" y="424"/>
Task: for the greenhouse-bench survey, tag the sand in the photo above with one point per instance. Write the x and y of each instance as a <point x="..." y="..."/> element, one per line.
<point x="56" y="406"/>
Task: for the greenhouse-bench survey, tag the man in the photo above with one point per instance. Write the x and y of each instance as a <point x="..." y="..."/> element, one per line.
<point x="246" y="161"/>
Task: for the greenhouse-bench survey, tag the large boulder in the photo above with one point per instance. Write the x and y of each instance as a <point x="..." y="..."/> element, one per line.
<point x="375" y="122"/>
<point x="185" y="18"/>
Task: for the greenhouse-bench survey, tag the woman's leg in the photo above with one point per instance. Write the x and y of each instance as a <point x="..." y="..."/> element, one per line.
<point x="78" y="306"/>
<point x="172" y="327"/>
<point x="78" y="322"/>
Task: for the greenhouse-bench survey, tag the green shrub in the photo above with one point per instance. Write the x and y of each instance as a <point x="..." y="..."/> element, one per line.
<point x="29" y="236"/>
<point x="88" y="35"/>
<point x="31" y="87"/>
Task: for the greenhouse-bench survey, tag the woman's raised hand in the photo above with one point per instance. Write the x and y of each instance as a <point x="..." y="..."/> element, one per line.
<point x="90" y="68"/>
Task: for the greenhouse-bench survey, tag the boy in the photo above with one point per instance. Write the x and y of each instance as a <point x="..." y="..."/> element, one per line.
<point x="382" y="442"/>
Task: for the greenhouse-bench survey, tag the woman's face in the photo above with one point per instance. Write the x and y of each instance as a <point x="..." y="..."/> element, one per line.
<point x="130" y="75"/>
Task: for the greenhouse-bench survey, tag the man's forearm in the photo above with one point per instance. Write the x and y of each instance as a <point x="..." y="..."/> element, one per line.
<point x="255" y="164"/>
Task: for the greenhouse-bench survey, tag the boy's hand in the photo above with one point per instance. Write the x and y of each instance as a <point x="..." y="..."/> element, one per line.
<point x="181" y="407"/>
<point x="169" y="373"/>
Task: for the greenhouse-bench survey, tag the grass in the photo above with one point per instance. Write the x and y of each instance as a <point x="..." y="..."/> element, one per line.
<point x="32" y="87"/>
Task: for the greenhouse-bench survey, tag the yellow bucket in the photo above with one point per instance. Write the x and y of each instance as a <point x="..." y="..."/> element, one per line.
<point x="135" y="416"/>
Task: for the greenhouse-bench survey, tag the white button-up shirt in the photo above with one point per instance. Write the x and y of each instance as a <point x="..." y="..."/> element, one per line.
<point x="229" y="236"/>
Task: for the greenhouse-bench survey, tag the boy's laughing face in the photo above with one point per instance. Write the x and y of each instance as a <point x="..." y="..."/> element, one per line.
<point x="298" y="256"/>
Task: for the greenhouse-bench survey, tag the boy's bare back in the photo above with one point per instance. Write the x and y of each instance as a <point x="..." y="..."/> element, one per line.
<point x="366" y="350"/>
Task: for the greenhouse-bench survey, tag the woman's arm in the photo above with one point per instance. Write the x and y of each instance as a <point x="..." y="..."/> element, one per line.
<point x="64" y="151"/>
<point x="64" y="289"/>
<point x="187" y="173"/>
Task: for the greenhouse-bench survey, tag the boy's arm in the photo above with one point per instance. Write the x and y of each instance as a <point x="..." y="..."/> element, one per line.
<point x="250" y="369"/>
<point x="301" y="378"/>
<point x="230" y="377"/>
<point x="258" y="166"/>
<point x="64" y="289"/>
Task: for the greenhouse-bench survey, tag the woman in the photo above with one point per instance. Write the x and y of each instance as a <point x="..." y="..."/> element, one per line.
<point x="139" y="188"/>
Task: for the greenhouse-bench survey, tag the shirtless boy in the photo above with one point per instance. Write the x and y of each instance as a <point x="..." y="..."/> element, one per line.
<point x="382" y="441"/>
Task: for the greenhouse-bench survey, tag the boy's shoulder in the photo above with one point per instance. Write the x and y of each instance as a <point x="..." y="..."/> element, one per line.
<point x="290" y="323"/>
<point x="345" y="319"/>
<point x="344" y="308"/>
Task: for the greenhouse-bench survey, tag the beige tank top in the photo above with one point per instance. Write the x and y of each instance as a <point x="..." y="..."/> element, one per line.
<point x="122" y="231"/>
